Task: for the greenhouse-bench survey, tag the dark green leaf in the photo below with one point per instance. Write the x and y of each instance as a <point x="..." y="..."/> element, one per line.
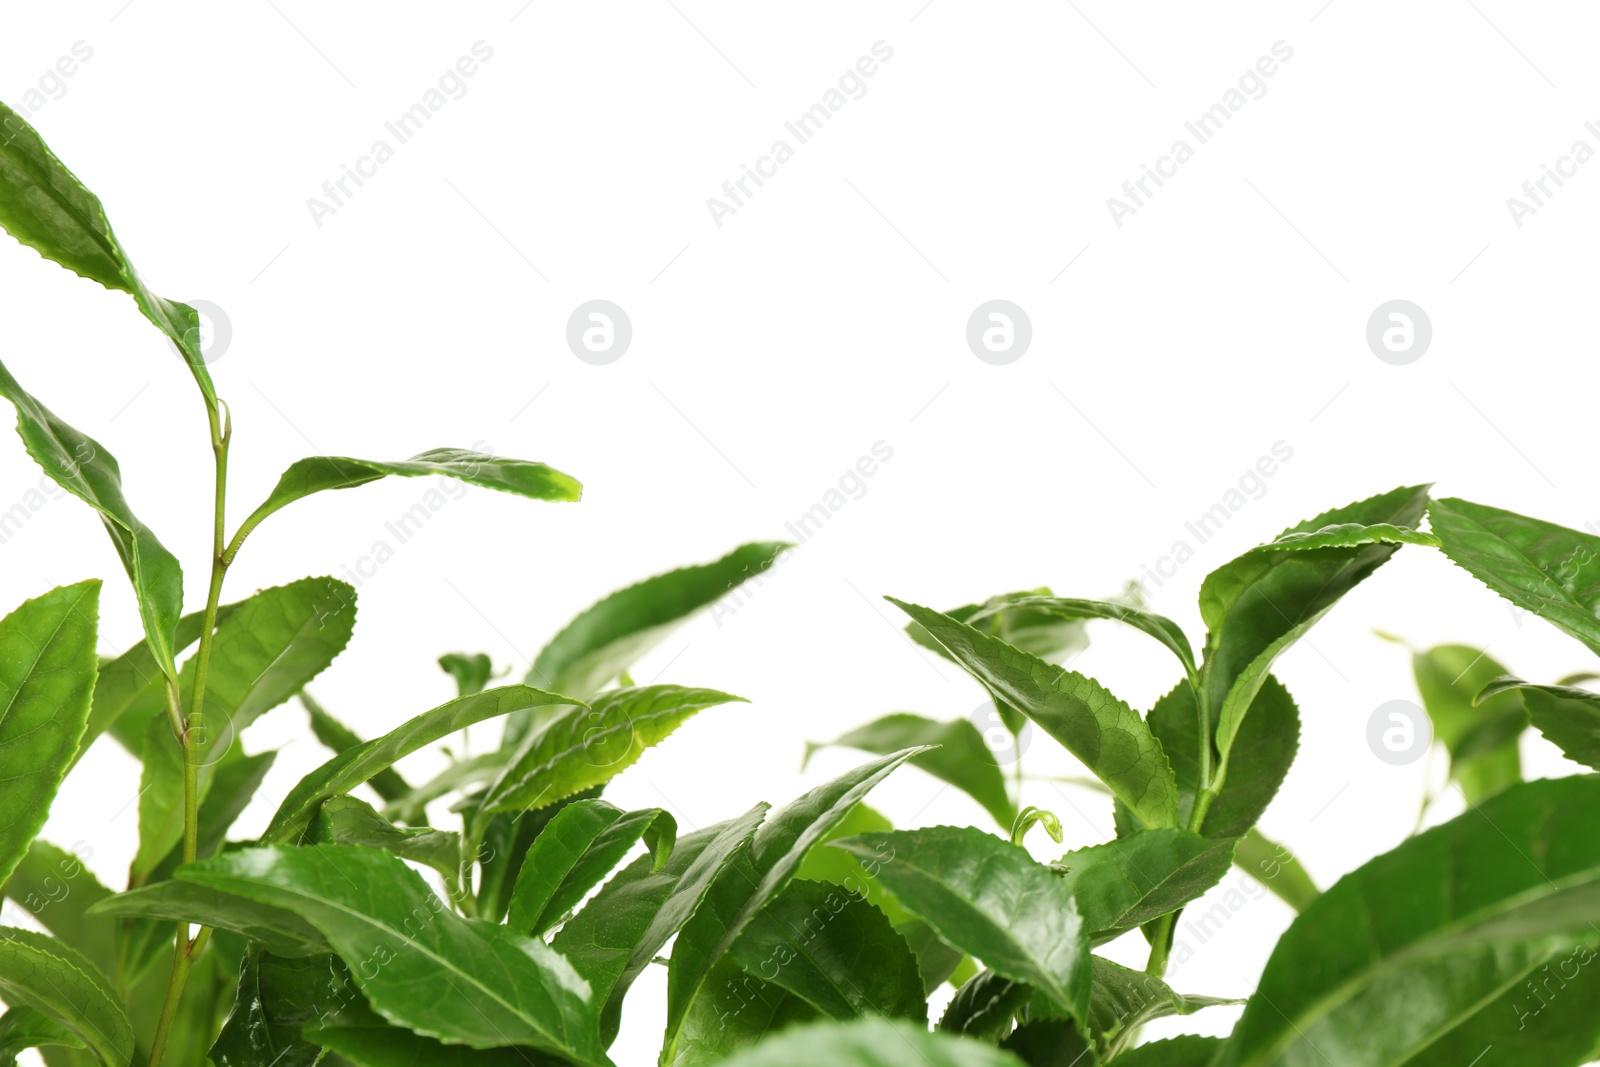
<point x="1449" y="920"/>
<point x="607" y="638"/>
<point x="57" y="891"/>
<point x="1257" y="605"/>
<point x="937" y="961"/>
<point x="870" y="1043"/>
<point x="735" y="1012"/>
<point x="275" y="999"/>
<point x="503" y="847"/>
<point x="280" y="931"/>
<point x="1051" y="1043"/>
<point x="575" y="852"/>
<point x="40" y="972"/>
<point x="1123" y="1000"/>
<point x="372" y="1043"/>
<point x="317" y="473"/>
<point x="25" y="1028"/>
<point x="47" y="672"/>
<point x="1540" y="567"/>
<point x="351" y="768"/>
<point x="589" y="746"/>
<point x="1126" y="883"/>
<point x="962" y="759"/>
<point x="1189" y="1050"/>
<point x="835" y="951"/>
<point x="1052" y="637"/>
<point x="472" y="673"/>
<point x="619" y="932"/>
<point x="1108" y="736"/>
<point x="1568" y="716"/>
<point x="450" y="978"/>
<point x="345" y="820"/>
<point x="1481" y="738"/>
<point x="339" y="738"/>
<point x="755" y="878"/>
<point x="1276" y="868"/>
<point x="990" y="899"/>
<point x="985" y="1007"/>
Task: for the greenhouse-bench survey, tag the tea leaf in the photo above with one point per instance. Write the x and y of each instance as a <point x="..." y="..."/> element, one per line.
<point x="41" y="973"/>
<point x="472" y="673"/>
<point x="278" y="930"/>
<point x="25" y="1028"/>
<point x="339" y="738"/>
<point x="870" y="1043"/>
<point x="735" y="1012"/>
<point x="1276" y="868"/>
<point x="275" y="999"/>
<point x="1052" y="636"/>
<point x="57" y="890"/>
<point x="1189" y="1050"/>
<point x="1569" y="717"/>
<point x="372" y="1043"/>
<point x="346" y="820"/>
<point x="575" y="852"/>
<point x="1163" y="629"/>
<point x="1480" y="737"/>
<point x="1124" y="884"/>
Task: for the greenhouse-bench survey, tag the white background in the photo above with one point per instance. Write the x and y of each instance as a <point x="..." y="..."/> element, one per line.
<point x="827" y="314"/>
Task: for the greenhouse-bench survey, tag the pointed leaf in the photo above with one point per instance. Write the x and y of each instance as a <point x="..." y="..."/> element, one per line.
<point x="756" y="877"/>
<point x="1540" y="567"/>
<point x="835" y="951"/>
<point x="842" y="869"/>
<point x="353" y="767"/>
<point x="339" y="738"/>
<point x="438" y="974"/>
<point x="985" y="1007"/>
<point x="1159" y="627"/>
<point x="1480" y="737"/>
<point x="504" y="844"/>
<point x="278" y="930"/>
<point x="990" y="899"/>
<point x="607" y="638"/>
<point x="870" y="1043"/>
<point x="575" y="852"/>
<point x="47" y="672"/>
<point x="588" y="746"/>
<point x="275" y="999"/>
<point x="1108" y="736"/>
<point x="55" y="888"/>
<point x="1052" y="636"/>
<point x="619" y="932"/>
<point x="1126" y="883"/>
<point x="737" y="1011"/>
<point x="962" y="759"/>
<point x="346" y="820"/>
<point x="1568" y="716"/>
<point x="1124" y="1000"/>
<point x="373" y="1043"/>
<point x="40" y="972"/>
<point x="1447" y="921"/>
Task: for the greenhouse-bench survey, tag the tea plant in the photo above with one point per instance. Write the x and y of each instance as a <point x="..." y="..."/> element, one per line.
<point x="354" y="931"/>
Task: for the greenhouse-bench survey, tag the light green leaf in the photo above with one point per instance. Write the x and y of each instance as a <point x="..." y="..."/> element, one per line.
<point x="1108" y="736"/>
<point x="870" y="1043"/>
<point x="278" y="930"/>
<point x="842" y="869"/>
<point x="990" y="899"/>
<point x="1052" y="636"/>
<point x="835" y="951"/>
<point x="57" y="890"/>
<point x="40" y="972"/>
<point x="1540" y="567"/>
<point x="472" y="673"/>
<point x="346" y="820"/>
<point x="588" y="746"/>
<point x="1159" y="627"/>
<point x="962" y="759"/>
<point x="275" y="999"/>
<point x="575" y="852"/>
<point x="411" y="806"/>
<point x="25" y="1028"/>
<point x="339" y="738"/>
<point x="1480" y="737"/>
<point x="1568" y="716"/>
<point x="318" y="473"/>
<point x="1276" y="868"/>
<point x="1350" y="535"/>
<point x="619" y="932"/>
<point x="353" y="767"/>
<point x="756" y="877"/>
<point x="1441" y="925"/>
<point x="47" y="672"/>
<point x="1123" y="884"/>
<point x="441" y="975"/>
<point x="607" y="638"/>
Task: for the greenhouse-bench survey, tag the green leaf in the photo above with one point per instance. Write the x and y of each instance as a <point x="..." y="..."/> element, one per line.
<point x="24" y="1028"/>
<point x="278" y="930"/>
<point x="263" y="653"/>
<point x="588" y="746"/>
<point x="1276" y="868"/>
<point x="1265" y="748"/>
<point x="40" y="972"/>
<point x="870" y="1043"/>
<point x="1350" y="535"/>
<point x="411" y="806"/>
<point x="575" y="852"/>
<point x="937" y="961"/>
<point x="353" y="767"/>
<point x="1189" y="1050"/>
<point x="1108" y="736"/>
<point x="619" y="932"/>
<point x="1051" y="636"/>
<point x="962" y="759"/>
<point x="839" y="867"/>
<point x="57" y="890"/>
<point x="438" y="974"/>
<point x="472" y="673"/>
<point x="756" y="877"/>
<point x="315" y="474"/>
<point x="985" y="1007"/>
<point x="835" y="951"/>
<point x="1255" y="606"/>
<point x="275" y="999"/>
<point x="1050" y="1043"/>
<point x="1124" y="1000"/>
<point x="83" y="467"/>
<point x="374" y="1044"/>
<point x="990" y="899"/>
<point x="1481" y="738"/>
<point x="346" y="820"/>
<point x="735" y="1012"/>
<point x="1159" y="627"/>
<point x="1123" y="884"/>
<point x="503" y="847"/>
<point x="1540" y="567"/>
<point x="606" y="639"/>
<point x="131" y="689"/>
<point x="47" y="672"/>
<point x="1568" y="716"/>
<point x="339" y="738"/>
<point x="1447" y="921"/>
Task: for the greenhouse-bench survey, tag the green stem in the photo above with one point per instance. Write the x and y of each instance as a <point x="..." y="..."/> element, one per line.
<point x="1161" y="945"/>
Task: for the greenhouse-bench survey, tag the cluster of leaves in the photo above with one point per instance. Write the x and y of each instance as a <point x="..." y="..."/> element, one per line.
<point x="354" y="932"/>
